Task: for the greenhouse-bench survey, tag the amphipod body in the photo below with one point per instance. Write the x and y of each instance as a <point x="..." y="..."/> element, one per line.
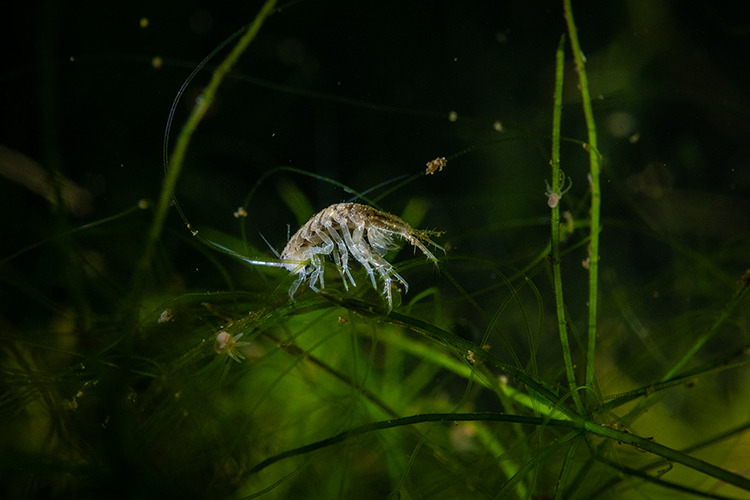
<point x="350" y="230"/>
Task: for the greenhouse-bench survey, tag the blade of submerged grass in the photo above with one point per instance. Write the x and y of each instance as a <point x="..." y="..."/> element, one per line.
<point x="595" y="167"/>
<point x="203" y="103"/>
<point x="405" y="421"/>
<point x="562" y="479"/>
<point x="547" y="396"/>
<point x="537" y="459"/>
<point x="577" y="427"/>
<point x="642" y="470"/>
<point x="671" y="379"/>
<point x="624" y="470"/>
<point x="142" y="205"/>
<point x="543" y="393"/>
<point x="717" y="365"/>
<point x="726" y="313"/>
<point x="562" y="323"/>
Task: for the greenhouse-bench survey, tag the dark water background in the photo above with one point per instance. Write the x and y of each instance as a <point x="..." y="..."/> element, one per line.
<point x="362" y="93"/>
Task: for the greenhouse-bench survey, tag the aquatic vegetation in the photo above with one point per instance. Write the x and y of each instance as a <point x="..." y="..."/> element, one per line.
<point x="593" y="346"/>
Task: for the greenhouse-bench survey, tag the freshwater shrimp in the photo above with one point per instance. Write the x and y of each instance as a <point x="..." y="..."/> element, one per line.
<point x="346" y="230"/>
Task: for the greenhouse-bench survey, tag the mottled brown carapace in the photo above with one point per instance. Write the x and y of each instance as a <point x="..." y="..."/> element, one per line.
<point x="345" y="231"/>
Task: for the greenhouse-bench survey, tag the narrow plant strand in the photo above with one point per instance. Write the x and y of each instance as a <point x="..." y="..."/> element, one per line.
<point x="540" y="391"/>
<point x="534" y="464"/>
<point x="723" y="317"/>
<point x="562" y="323"/>
<point x="562" y="479"/>
<point x="545" y="395"/>
<point x="672" y="379"/>
<point x="405" y="421"/>
<point x="624" y="471"/>
<point x="70" y="232"/>
<point x="576" y="426"/>
<point x="595" y="166"/>
<point x="670" y="454"/>
<point x="203" y="103"/>
<point x="717" y="365"/>
<point x="643" y="469"/>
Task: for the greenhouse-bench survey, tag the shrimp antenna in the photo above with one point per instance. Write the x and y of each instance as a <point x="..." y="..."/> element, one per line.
<point x="173" y="110"/>
<point x="165" y="154"/>
<point x="269" y="245"/>
<point x="239" y="256"/>
<point x="377" y="186"/>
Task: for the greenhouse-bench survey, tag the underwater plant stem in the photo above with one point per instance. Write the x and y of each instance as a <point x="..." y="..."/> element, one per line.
<point x="540" y="391"/>
<point x="203" y="103"/>
<point x="562" y="324"/>
<point x="726" y="313"/>
<point x="576" y="427"/>
<point x="595" y="168"/>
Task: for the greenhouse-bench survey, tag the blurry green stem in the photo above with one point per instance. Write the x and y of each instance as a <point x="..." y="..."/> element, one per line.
<point x="726" y="313"/>
<point x="203" y="103"/>
<point x="556" y="188"/>
<point x="577" y="427"/>
<point x="595" y="166"/>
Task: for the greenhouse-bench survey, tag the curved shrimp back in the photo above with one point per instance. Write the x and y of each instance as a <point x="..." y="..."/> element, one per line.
<point x="350" y="230"/>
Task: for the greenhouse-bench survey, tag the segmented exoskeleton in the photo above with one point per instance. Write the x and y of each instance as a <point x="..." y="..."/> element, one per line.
<point x="347" y="230"/>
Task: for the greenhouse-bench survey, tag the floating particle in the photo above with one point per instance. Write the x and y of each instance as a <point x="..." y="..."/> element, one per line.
<point x="435" y="165"/>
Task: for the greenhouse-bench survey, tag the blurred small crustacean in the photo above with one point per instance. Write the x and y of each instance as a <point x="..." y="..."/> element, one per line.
<point x="350" y="230"/>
